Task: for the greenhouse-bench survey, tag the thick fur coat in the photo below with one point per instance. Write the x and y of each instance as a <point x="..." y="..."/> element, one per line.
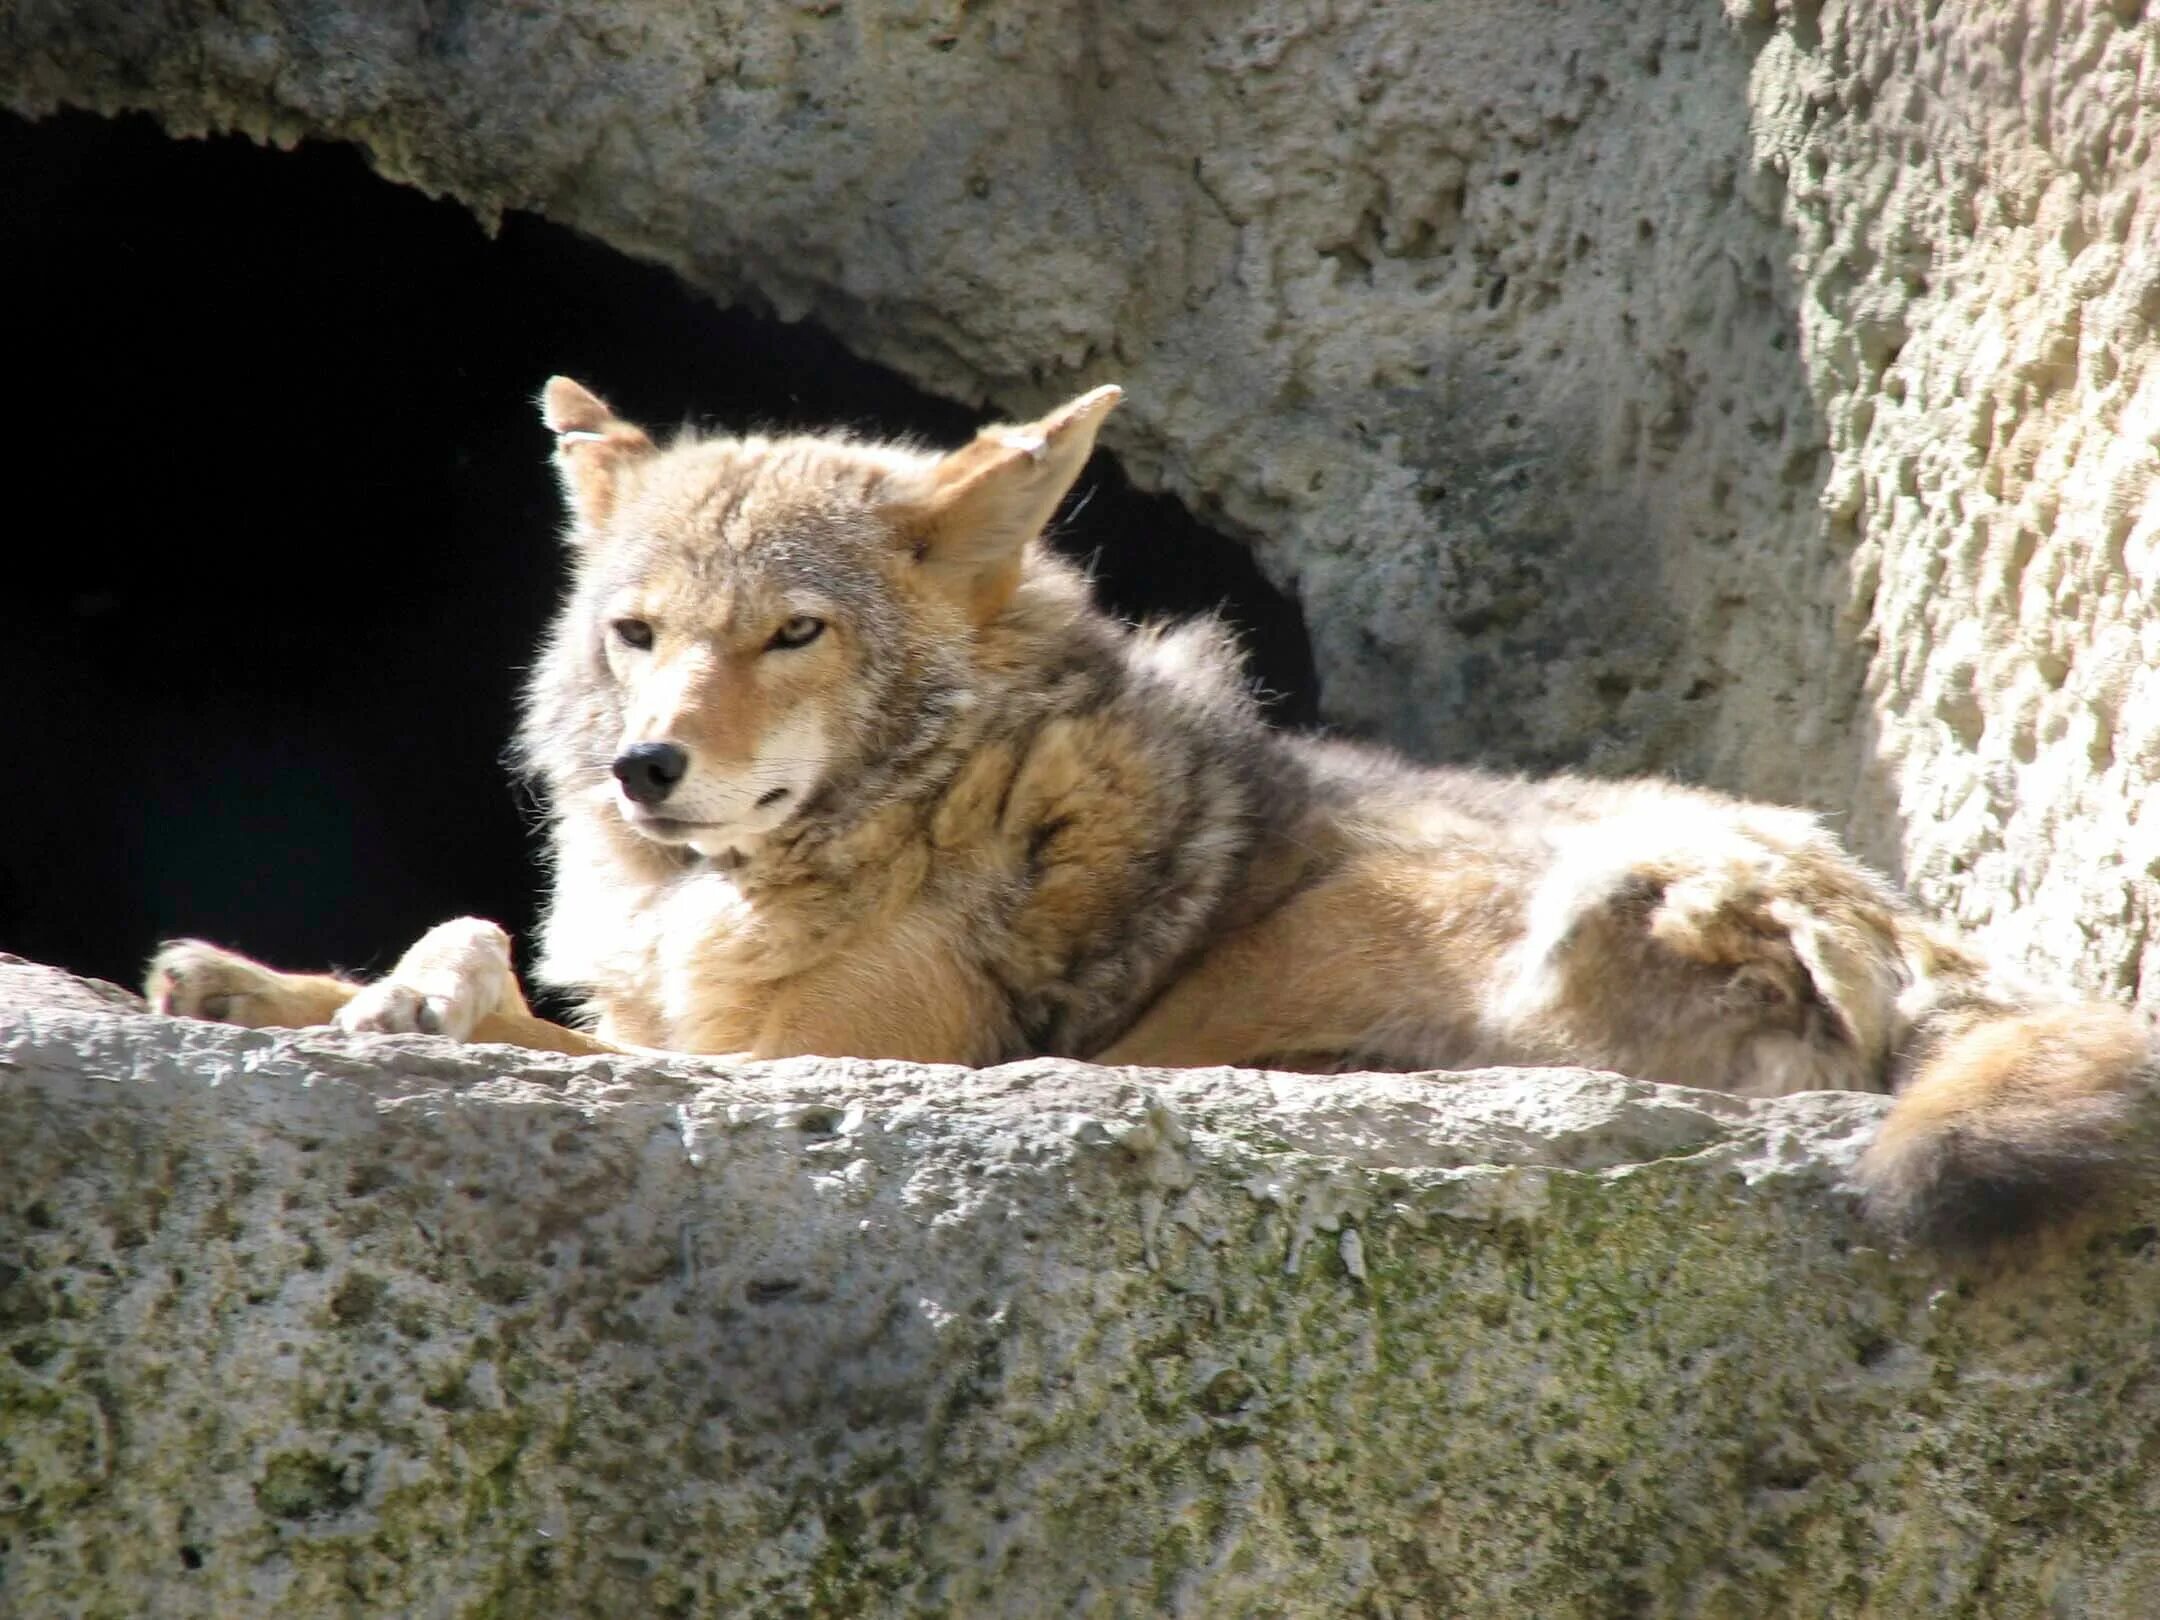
<point x="839" y="758"/>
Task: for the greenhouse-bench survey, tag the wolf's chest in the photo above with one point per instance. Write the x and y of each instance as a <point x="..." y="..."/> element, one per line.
<point x="687" y="962"/>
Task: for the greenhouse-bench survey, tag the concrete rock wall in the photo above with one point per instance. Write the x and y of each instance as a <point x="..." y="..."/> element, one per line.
<point x="1970" y="192"/>
<point x="298" y="1325"/>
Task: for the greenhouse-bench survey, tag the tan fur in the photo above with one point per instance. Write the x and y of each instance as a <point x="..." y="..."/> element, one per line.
<point x="2020" y="1113"/>
<point x="191" y="979"/>
<point x="933" y="806"/>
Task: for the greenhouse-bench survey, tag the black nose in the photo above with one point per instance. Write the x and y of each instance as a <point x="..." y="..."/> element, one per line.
<point x="649" y="772"/>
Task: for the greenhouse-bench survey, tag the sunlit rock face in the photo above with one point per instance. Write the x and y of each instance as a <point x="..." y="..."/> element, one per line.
<point x="293" y="1323"/>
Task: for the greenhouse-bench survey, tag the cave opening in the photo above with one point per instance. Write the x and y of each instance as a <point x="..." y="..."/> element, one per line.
<point x="260" y="655"/>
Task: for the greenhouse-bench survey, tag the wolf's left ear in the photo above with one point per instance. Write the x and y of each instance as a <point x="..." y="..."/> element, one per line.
<point x="592" y="447"/>
<point x="978" y="507"/>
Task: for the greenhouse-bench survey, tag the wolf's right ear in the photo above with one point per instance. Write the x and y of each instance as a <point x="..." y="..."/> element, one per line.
<point x="593" y="446"/>
<point x="969" y="517"/>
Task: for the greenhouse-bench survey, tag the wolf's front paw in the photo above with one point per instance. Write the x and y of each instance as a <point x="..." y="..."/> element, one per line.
<point x="191" y="979"/>
<point x="445" y="985"/>
<point x="392" y="1008"/>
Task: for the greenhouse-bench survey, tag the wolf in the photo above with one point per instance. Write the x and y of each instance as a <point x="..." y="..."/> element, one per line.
<point x="839" y="758"/>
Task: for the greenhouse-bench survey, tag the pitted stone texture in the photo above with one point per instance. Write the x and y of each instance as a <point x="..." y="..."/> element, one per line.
<point x="1971" y="194"/>
<point x="301" y="1324"/>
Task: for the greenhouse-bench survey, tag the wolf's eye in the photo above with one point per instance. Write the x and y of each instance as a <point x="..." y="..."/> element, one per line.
<point x="633" y="633"/>
<point x="799" y="631"/>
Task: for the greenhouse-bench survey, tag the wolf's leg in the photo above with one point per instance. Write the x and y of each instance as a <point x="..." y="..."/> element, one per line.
<point x="1685" y="937"/>
<point x="457" y="981"/>
<point x="1221" y="1014"/>
<point x="1675" y="943"/>
<point x="190" y="979"/>
<point x="444" y="985"/>
<point x="948" y="1013"/>
<point x="1739" y="946"/>
<point x="512" y="1023"/>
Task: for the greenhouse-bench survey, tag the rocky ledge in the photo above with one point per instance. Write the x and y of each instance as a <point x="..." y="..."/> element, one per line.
<point x="297" y="1324"/>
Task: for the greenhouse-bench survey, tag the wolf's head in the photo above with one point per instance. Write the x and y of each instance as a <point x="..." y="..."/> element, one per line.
<point x="759" y="624"/>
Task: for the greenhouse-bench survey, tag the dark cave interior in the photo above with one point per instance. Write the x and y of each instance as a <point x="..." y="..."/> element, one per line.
<point x="261" y="654"/>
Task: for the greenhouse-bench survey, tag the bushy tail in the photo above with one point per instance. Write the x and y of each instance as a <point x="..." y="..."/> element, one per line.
<point x="2009" y="1113"/>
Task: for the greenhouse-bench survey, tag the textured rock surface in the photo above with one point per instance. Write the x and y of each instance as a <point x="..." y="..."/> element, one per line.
<point x="1764" y="395"/>
<point x="1971" y="198"/>
<point x="306" y="1326"/>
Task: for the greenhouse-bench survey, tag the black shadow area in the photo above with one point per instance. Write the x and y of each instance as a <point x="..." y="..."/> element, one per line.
<point x="281" y="534"/>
